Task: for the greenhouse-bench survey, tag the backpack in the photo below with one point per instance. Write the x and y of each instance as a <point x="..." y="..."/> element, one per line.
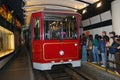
<point x="113" y="49"/>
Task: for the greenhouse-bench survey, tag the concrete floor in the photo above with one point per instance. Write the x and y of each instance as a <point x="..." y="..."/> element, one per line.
<point x="19" y="68"/>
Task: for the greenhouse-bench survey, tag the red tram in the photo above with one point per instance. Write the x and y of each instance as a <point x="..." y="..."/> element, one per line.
<point x="55" y="39"/>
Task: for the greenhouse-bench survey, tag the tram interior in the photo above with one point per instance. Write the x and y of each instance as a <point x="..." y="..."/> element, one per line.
<point x="58" y="26"/>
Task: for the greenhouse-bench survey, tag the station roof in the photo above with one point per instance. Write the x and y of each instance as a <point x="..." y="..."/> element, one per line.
<point x="23" y="8"/>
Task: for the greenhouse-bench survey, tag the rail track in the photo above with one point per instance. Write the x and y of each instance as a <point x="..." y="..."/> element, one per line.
<point x="62" y="72"/>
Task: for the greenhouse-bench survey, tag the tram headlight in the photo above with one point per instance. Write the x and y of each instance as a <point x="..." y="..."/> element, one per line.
<point x="70" y="60"/>
<point x="52" y="62"/>
<point x="75" y="44"/>
<point x="61" y="52"/>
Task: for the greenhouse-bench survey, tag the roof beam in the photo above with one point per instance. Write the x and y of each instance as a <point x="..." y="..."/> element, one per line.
<point x="51" y="5"/>
<point x="84" y="2"/>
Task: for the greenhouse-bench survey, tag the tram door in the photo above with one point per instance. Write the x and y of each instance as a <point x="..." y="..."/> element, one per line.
<point x="36" y="31"/>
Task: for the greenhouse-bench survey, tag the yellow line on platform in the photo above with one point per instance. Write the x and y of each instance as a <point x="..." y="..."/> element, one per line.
<point x="104" y="69"/>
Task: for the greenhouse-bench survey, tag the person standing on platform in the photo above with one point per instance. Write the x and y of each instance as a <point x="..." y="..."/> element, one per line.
<point x="112" y="50"/>
<point x="117" y="54"/>
<point x="104" y="35"/>
<point x="89" y="48"/>
<point x="102" y="49"/>
<point x="95" y="50"/>
<point x="84" y="50"/>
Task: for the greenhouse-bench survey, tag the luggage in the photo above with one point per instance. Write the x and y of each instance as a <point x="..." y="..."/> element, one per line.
<point x="117" y="60"/>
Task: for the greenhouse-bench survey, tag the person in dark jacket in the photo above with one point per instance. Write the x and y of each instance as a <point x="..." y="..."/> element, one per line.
<point x="117" y="55"/>
<point x="102" y="49"/>
<point x="89" y="48"/>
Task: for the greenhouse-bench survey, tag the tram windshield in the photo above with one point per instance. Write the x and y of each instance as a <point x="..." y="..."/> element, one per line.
<point x="60" y="26"/>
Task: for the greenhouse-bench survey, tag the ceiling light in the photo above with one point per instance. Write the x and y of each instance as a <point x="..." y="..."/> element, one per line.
<point x="99" y="4"/>
<point x="75" y="10"/>
<point x="73" y="17"/>
<point x="85" y="5"/>
<point x="24" y="0"/>
<point x="23" y="8"/>
<point x="24" y="17"/>
<point x="84" y="11"/>
<point x="12" y="11"/>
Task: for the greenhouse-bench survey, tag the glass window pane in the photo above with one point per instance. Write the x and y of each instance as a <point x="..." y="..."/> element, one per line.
<point x="60" y="26"/>
<point x="37" y="29"/>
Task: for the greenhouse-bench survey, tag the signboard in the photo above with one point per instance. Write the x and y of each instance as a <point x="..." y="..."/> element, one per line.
<point x="6" y="14"/>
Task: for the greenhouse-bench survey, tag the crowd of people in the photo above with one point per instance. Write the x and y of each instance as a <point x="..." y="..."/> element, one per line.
<point x="102" y="49"/>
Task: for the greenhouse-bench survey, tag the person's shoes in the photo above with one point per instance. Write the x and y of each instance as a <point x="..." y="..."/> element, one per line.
<point x="98" y="63"/>
<point x="94" y="62"/>
<point x="103" y="66"/>
<point x="84" y="61"/>
<point x="117" y="73"/>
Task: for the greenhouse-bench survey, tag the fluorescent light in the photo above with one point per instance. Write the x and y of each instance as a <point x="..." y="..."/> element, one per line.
<point x="24" y="0"/>
<point x="73" y="17"/>
<point x="84" y="11"/>
<point x="99" y="4"/>
<point x="25" y="17"/>
<point x="12" y="11"/>
<point x="23" y="8"/>
<point x="75" y="10"/>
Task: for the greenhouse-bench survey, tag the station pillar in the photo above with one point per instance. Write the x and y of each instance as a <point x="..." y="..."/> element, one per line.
<point x="115" y="6"/>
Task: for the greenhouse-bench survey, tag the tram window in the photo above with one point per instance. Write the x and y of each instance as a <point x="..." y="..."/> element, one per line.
<point x="60" y="26"/>
<point x="37" y="29"/>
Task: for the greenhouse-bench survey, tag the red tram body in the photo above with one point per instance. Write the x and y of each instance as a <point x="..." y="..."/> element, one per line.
<point x="55" y="39"/>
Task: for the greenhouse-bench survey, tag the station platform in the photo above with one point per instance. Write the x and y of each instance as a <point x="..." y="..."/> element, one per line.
<point x="18" y="68"/>
<point x="96" y="72"/>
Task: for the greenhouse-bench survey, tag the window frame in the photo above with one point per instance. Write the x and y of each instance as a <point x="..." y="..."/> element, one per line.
<point x="75" y="22"/>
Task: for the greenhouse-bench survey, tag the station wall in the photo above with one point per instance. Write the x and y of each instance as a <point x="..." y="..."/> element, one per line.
<point x="98" y="23"/>
<point x="97" y="19"/>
